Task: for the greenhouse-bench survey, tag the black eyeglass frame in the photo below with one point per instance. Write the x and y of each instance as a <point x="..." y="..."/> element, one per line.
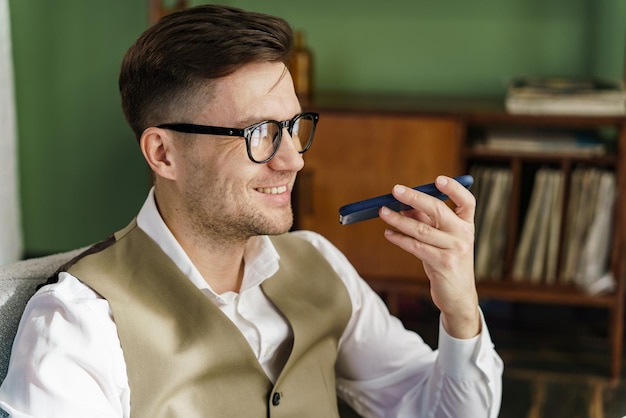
<point x="190" y="128"/>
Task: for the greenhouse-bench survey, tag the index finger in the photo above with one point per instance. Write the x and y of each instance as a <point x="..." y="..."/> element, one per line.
<point x="463" y="199"/>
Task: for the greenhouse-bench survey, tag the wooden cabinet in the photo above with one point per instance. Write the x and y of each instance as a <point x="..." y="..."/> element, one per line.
<point x="359" y="155"/>
<point x="366" y="144"/>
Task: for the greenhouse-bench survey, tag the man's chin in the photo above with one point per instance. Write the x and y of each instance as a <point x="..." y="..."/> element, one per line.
<point x="281" y="229"/>
<point x="271" y="223"/>
<point x="279" y="232"/>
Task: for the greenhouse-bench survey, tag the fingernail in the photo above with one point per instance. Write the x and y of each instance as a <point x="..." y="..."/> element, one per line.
<point x="399" y="189"/>
<point x="442" y="181"/>
<point x="385" y="210"/>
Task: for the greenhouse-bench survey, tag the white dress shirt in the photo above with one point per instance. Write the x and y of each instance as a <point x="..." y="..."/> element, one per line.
<point x="67" y="360"/>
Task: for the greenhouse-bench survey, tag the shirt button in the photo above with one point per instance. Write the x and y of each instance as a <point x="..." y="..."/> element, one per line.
<point x="276" y="399"/>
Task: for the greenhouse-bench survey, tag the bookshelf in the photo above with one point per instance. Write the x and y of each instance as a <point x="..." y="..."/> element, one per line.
<point x="367" y="143"/>
<point x="521" y="166"/>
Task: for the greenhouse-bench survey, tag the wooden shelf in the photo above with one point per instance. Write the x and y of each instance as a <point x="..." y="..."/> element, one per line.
<point x="506" y="290"/>
<point x="541" y="293"/>
<point x="495" y="117"/>
<point x="372" y="141"/>
<point x="603" y="160"/>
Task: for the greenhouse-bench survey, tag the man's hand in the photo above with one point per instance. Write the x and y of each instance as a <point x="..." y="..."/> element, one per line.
<point x="444" y="240"/>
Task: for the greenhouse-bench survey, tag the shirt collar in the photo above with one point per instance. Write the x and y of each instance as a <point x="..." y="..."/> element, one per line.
<point x="260" y="256"/>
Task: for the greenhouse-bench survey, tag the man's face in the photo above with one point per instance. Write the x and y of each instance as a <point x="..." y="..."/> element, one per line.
<point x="223" y="193"/>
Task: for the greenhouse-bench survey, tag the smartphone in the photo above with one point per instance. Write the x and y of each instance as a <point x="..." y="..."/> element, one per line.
<point x="368" y="209"/>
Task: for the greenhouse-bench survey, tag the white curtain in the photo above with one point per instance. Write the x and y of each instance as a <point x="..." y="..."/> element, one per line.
<point x="10" y="231"/>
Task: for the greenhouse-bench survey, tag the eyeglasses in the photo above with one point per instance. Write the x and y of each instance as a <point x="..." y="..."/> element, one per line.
<point x="263" y="138"/>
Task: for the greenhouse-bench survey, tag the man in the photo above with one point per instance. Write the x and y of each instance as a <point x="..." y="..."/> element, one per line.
<point x="204" y="306"/>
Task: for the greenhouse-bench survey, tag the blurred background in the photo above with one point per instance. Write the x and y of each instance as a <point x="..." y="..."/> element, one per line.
<point x="81" y="175"/>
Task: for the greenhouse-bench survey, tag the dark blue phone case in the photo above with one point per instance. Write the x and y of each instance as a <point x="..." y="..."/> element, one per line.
<point x="368" y="209"/>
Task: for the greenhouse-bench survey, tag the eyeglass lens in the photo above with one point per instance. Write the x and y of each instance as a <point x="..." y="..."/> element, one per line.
<point x="264" y="139"/>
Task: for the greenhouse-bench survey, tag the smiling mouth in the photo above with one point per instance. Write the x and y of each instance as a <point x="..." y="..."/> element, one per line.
<point x="272" y="190"/>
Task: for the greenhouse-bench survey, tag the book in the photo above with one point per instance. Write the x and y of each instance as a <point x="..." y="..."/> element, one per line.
<point x="543" y="141"/>
<point x="536" y="258"/>
<point x="572" y="226"/>
<point x="566" y="96"/>
<point x="492" y="203"/>
<point x="554" y="236"/>
<point x="499" y="234"/>
<point x="482" y="182"/>
<point x="526" y="247"/>
<point x="588" y="233"/>
<point x="593" y="264"/>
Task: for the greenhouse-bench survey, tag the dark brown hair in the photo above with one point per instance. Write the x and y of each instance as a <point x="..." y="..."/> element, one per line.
<point x="169" y="69"/>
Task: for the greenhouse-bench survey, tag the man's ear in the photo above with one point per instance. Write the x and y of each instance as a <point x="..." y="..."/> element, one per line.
<point x="157" y="149"/>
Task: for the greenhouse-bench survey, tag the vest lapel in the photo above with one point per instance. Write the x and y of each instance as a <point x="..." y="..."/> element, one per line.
<point x="176" y="342"/>
<point x="313" y="298"/>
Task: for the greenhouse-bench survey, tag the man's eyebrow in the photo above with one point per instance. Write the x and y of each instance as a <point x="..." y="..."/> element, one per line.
<point x="247" y="121"/>
<point x="251" y="120"/>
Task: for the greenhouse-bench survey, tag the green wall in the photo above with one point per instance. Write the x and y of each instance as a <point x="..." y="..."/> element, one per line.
<point x="454" y="46"/>
<point x="81" y="172"/>
<point x="82" y="175"/>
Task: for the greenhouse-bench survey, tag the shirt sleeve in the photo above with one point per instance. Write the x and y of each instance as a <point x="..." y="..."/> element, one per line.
<point x="66" y="360"/>
<point x="386" y="370"/>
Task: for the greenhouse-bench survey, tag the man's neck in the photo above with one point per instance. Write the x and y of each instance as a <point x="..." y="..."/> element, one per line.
<point x="218" y="258"/>
<point x="220" y="265"/>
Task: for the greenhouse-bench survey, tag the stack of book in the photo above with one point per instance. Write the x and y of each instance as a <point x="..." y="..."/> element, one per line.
<point x="544" y="141"/>
<point x="566" y="96"/>
<point x="492" y="189"/>
<point x="588" y="230"/>
<point x="558" y="244"/>
<point x="538" y="249"/>
<point x="585" y="250"/>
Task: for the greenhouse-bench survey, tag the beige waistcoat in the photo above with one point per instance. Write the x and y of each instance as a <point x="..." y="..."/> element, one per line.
<point x="186" y="359"/>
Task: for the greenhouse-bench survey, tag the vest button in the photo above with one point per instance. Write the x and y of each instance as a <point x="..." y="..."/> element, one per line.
<point x="276" y="399"/>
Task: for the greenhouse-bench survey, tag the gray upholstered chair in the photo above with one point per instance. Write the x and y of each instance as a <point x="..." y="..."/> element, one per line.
<point x="18" y="282"/>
